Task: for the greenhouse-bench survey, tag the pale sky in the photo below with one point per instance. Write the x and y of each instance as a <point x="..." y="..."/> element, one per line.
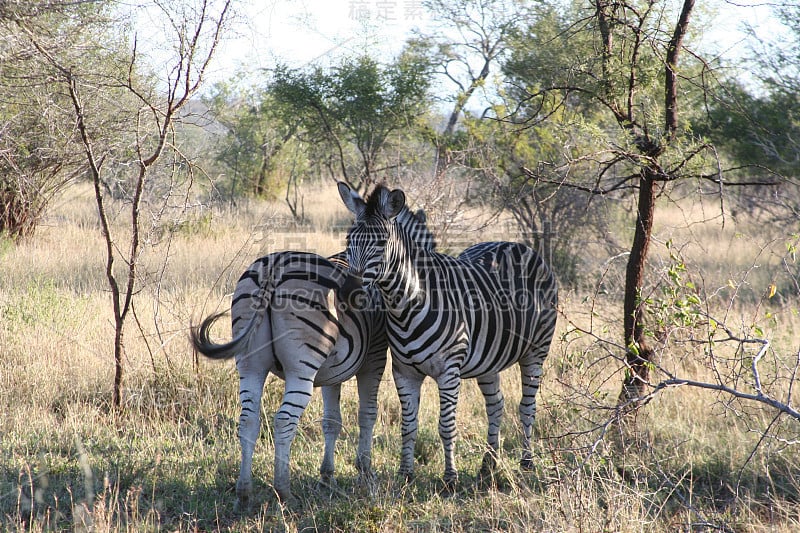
<point x="303" y="31"/>
<point x="298" y="32"/>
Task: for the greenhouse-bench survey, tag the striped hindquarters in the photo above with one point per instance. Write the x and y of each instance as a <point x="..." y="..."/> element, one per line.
<point x="311" y="303"/>
<point x="257" y="285"/>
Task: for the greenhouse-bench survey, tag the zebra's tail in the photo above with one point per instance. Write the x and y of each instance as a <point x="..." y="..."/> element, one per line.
<point x="251" y="298"/>
<point x="201" y="339"/>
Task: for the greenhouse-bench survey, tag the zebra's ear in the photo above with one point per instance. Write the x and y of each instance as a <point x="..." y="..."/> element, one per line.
<point x="354" y="203"/>
<point x="392" y="203"/>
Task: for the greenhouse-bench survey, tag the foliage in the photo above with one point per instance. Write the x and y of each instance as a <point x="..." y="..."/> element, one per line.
<point x="516" y="165"/>
<point x="779" y="65"/>
<point x="464" y="43"/>
<point x="39" y="154"/>
<point x="353" y="112"/>
<point x="40" y="305"/>
<point x="559" y="60"/>
<point x="758" y="122"/>
<point x="565" y="146"/>
<point x="524" y="148"/>
<point x="754" y="121"/>
<point x="627" y="64"/>
<point x="135" y="137"/>
<point x="255" y="134"/>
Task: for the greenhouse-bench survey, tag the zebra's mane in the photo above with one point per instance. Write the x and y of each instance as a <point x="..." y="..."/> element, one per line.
<point x="410" y="223"/>
<point x="373" y="200"/>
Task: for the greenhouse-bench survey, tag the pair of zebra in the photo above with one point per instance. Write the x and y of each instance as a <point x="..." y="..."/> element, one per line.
<point x="318" y="322"/>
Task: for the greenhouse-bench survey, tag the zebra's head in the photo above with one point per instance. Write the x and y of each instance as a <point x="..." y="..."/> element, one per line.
<point x="382" y="220"/>
<point x="366" y="240"/>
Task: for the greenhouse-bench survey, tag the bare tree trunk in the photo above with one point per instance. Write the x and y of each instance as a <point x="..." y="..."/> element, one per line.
<point x="119" y="365"/>
<point x="463" y="98"/>
<point x="443" y="148"/>
<point x="120" y="302"/>
<point x="260" y="181"/>
<point x="639" y="355"/>
<point x="189" y="76"/>
<point x="94" y="170"/>
<point x="294" y="199"/>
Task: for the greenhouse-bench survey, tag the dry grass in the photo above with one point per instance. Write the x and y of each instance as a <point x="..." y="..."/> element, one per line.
<point x="695" y="460"/>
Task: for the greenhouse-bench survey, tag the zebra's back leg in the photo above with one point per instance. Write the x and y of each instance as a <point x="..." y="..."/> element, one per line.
<point x="296" y="395"/>
<point x="331" y="427"/>
<point x="531" y="372"/>
<point x="369" y="380"/>
<point x="493" y="398"/>
<point x="253" y="367"/>
<point x="304" y="341"/>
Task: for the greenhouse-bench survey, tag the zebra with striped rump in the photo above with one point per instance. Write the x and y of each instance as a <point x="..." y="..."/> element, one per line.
<point x="453" y="318"/>
<point x="302" y="317"/>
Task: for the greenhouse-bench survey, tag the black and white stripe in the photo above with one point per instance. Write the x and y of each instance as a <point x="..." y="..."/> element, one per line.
<point x="303" y="318"/>
<point x="454" y="318"/>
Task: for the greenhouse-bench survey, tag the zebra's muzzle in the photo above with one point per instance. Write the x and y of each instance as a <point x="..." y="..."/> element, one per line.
<point x="353" y="294"/>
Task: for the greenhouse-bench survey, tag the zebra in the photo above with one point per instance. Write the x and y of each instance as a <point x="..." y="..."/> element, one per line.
<point x="453" y="318"/>
<point x="302" y="317"/>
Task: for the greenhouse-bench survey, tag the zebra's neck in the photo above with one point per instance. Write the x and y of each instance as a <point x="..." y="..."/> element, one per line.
<point x="401" y="285"/>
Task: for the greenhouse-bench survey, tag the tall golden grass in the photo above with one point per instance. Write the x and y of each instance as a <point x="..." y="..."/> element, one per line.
<point x="694" y="461"/>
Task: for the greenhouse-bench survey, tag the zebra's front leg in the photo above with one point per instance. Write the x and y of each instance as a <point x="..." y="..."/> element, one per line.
<point x="252" y="375"/>
<point x="369" y="380"/>
<point x="449" y="386"/>
<point x="493" y="397"/>
<point x="297" y="394"/>
<point x="408" y="390"/>
<point x="331" y="427"/>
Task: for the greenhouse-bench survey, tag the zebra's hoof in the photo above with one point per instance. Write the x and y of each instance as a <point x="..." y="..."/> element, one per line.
<point x="406" y="475"/>
<point x="488" y="464"/>
<point x="526" y="464"/>
<point x="327" y="482"/>
<point x="486" y="478"/>
<point x="285" y="497"/>
<point x="241" y="506"/>
<point x="450" y="481"/>
<point x="244" y="490"/>
<point x="367" y="478"/>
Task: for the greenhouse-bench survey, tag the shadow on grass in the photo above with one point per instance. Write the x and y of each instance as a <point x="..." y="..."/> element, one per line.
<point x="53" y="495"/>
<point x="713" y="492"/>
<point x="57" y="492"/>
<point x="194" y="490"/>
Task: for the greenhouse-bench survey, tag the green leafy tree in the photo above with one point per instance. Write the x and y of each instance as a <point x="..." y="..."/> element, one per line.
<point x="464" y="43"/>
<point x="354" y="111"/>
<point x="759" y="126"/>
<point x="38" y="155"/>
<point x="510" y="160"/>
<point x="256" y="131"/>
